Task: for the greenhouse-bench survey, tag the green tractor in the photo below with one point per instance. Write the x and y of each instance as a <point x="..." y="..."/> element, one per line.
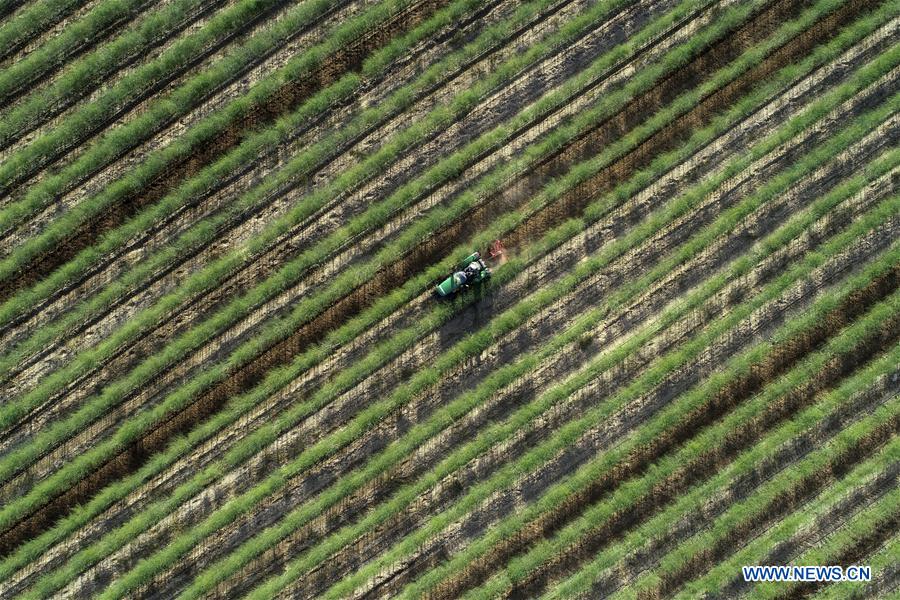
<point x="471" y="270"/>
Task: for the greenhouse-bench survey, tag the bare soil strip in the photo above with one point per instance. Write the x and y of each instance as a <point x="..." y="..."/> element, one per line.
<point x="699" y="469"/>
<point x="140" y="100"/>
<point x="649" y="556"/>
<point x="113" y="368"/>
<point x="286" y="99"/>
<point x="42" y="31"/>
<point x="828" y="523"/>
<point x="509" y="346"/>
<point x="430" y="250"/>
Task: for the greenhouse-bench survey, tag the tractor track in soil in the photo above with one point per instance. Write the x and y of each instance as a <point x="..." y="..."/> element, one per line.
<point x="564" y="563"/>
<point x="41" y="34"/>
<point x="636" y="462"/>
<point x="351" y="304"/>
<point x="41" y="78"/>
<point x="496" y="408"/>
<point x="234" y="233"/>
<point x="425" y="403"/>
<point x="398" y="365"/>
<point x="145" y="349"/>
<point x="138" y="102"/>
<point x="648" y="557"/>
<point x="857" y="552"/>
<point x="285" y="99"/>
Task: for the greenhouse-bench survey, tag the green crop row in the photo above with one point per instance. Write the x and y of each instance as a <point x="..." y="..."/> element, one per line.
<point x="630" y="492"/>
<point x="89" y="117"/>
<point x="397" y="448"/>
<point x="346" y="333"/>
<point x="31" y="20"/>
<point x="861" y="526"/>
<point x="206" y="230"/>
<point x="565" y="436"/>
<point x="882" y="562"/>
<point x="501" y="378"/>
<point x="646" y="178"/>
<point x="345" y="379"/>
<point x="57" y="49"/>
<point x="303" y="311"/>
<point x="580" y="583"/>
<point x="268" y="434"/>
<point x="186" y="97"/>
<point x="727" y="570"/>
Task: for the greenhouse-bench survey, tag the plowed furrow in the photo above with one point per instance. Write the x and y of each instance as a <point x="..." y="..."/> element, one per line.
<point x="551" y="370"/>
<point x="742" y="488"/>
<point x="357" y="300"/>
<point x="287" y="98"/>
<point x="695" y="471"/>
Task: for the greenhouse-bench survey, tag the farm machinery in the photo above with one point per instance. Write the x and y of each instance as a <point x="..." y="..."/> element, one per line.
<point x="471" y="270"/>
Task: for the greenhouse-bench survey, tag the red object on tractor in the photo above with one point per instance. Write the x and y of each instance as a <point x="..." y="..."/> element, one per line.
<point x="495" y="250"/>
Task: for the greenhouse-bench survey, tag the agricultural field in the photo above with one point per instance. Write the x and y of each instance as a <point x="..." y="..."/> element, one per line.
<point x="225" y="371"/>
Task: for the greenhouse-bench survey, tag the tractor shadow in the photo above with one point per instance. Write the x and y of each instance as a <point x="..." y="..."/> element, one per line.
<point x="471" y="318"/>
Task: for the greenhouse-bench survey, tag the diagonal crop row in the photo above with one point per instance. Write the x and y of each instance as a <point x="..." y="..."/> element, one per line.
<point x="317" y="148"/>
<point x="828" y="416"/>
<point x="419" y="412"/>
<point x="884" y="575"/>
<point x="382" y="253"/>
<point x="90" y="119"/>
<point x="79" y="36"/>
<point x="605" y="522"/>
<point x="161" y="113"/>
<point x="37" y="17"/>
<point x="787" y="526"/>
<point x="563" y="436"/>
<point x="415" y="411"/>
<point x="344" y="50"/>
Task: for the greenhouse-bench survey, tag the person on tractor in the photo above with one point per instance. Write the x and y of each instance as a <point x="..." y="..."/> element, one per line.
<point x="470" y="271"/>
